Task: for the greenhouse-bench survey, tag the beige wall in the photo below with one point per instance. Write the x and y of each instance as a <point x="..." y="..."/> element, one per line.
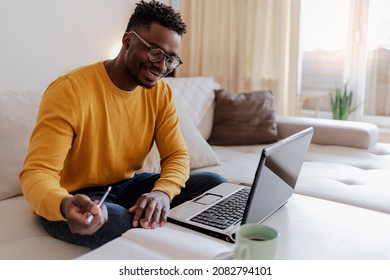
<point x="42" y="39"/>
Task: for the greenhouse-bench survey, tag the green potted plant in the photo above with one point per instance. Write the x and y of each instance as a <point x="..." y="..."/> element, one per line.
<point x="341" y="102"/>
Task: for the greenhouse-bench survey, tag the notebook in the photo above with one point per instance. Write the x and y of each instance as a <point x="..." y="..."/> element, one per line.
<point x="274" y="182"/>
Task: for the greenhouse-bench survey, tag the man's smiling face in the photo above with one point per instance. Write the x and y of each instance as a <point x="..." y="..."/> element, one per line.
<point x="138" y="68"/>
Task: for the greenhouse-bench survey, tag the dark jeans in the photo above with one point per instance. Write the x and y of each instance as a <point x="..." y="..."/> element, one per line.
<point x="122" y="196"/>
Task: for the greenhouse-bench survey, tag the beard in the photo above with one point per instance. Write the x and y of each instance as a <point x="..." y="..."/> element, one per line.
<point x="148" y="75"/>
<point x="142" y="84"/>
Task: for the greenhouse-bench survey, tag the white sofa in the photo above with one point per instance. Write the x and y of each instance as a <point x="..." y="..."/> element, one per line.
<point x="345" y="163"/>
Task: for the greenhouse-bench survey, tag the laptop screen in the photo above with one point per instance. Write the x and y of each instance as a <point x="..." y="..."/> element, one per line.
<point x="276" y="176"/>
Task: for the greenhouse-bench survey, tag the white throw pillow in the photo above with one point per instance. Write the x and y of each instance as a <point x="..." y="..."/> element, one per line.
<point x="201" y="154"/>
<point x="194" y="94"/>
<point x="18" y="112"/>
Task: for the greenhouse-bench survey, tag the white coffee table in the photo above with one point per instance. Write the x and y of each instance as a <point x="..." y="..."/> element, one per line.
<point x="310" y="229"/>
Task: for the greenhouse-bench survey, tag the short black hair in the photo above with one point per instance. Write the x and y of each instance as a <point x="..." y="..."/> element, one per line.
<point x="146" y="13"/>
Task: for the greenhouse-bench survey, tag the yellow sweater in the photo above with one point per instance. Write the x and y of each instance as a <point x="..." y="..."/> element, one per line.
<point x="91" y="133"/>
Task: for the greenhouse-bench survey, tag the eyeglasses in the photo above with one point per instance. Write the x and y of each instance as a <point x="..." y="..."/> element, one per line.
<point x="156" y="55"/>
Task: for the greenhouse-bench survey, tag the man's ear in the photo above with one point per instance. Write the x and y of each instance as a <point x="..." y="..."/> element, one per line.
<point x="126" y="40"/>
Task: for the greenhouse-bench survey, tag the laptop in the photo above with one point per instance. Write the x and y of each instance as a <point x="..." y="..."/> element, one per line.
<point x="221" y="210"/>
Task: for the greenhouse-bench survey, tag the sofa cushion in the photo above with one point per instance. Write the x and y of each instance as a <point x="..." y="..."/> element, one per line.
<point x="243" y="118"/>
<point x="355" y="134"/>
<point x="22" y="236"/>
<point x="200" y="152"/>
<point x="195" y="94"/>
<point x="18" y="112"/>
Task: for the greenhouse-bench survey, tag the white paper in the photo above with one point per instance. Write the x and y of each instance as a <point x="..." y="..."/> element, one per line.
<point x="176" y="242"/>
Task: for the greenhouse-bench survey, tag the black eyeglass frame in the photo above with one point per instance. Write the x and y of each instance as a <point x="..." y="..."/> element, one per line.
<point x="165" y="56"/>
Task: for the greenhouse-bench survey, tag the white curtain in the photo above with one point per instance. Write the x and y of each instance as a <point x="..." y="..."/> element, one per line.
<point x="245" y="45"/>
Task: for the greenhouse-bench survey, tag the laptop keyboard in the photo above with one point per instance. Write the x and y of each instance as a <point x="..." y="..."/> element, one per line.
<point x="226" y="212"/>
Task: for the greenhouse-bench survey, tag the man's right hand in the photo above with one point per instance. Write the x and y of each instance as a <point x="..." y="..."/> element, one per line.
<point x="75" y="208"/>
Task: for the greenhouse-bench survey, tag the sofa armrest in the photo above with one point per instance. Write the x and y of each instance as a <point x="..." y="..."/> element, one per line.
<point x="331" y="132"/>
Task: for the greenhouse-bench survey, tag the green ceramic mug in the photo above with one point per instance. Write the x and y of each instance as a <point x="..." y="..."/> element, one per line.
<point x="255" y="242"/>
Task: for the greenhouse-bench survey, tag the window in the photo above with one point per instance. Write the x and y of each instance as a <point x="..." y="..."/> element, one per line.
<point x="377" y="90"/>
<point x="347" y="41"/>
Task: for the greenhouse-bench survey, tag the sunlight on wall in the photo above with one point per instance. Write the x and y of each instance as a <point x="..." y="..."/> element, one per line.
<point x="113" y="52"/>
<point x="61" y="36"/>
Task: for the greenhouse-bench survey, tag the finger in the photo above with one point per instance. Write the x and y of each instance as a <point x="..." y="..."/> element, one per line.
<point x="145" y="222"/>
<point x="156" y="217"/>
<point x="133" y="210"/>
<point x="94" y="211"/>
<point x="83" y="202"/>
<point x="97" y="221"/>
<point x="150" y="210"/>
<point x="138" y="210"/>
<point x="77" y="208"/>
<point x="164" y="216"/>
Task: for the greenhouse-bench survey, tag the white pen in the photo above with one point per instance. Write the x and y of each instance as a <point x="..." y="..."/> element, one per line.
<point x="90" y="216"/>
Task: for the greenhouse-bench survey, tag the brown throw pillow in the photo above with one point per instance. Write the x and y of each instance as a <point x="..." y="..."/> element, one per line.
<point x="243" y="118"/>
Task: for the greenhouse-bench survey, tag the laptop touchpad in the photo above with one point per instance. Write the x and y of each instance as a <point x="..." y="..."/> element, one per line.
<point x="208" y="198"/>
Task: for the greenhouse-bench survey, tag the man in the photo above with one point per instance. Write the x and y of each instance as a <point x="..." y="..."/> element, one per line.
<point x="95" y="128"/>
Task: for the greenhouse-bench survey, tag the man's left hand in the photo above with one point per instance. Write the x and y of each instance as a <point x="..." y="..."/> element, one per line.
<point x="151" y="209"/>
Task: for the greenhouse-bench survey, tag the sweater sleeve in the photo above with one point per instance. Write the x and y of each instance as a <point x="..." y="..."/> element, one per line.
<point x="172" y="148"/>
<point x="49" y="146"/>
